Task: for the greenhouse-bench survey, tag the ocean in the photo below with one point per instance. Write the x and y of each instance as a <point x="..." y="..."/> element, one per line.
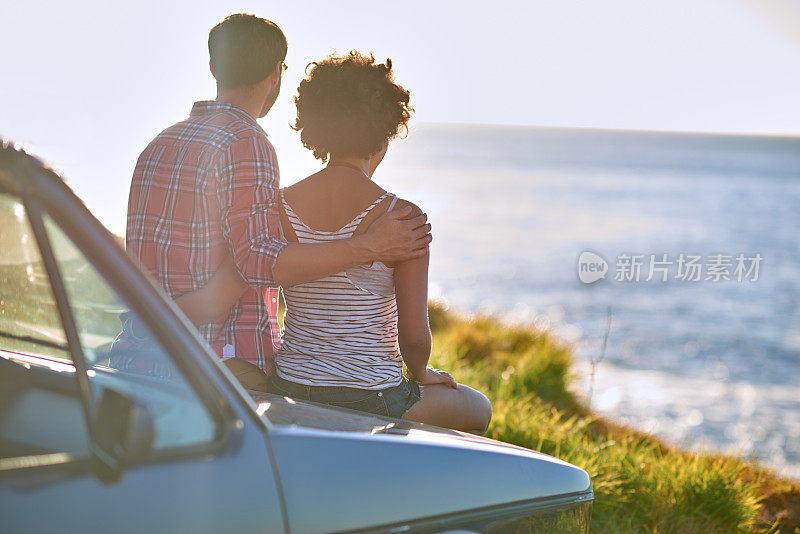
<point x="711" y="363"/>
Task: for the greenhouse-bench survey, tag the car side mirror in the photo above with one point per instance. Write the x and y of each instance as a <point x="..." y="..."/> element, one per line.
<point x="124" y="428"/>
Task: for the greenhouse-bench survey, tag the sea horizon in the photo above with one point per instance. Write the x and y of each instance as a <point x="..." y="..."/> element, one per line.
<point x="513" y="208"/>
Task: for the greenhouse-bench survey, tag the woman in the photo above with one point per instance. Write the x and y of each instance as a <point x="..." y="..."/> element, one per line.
<point x="346" y="336"/>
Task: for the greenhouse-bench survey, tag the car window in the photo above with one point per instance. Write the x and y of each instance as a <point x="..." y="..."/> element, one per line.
<point x="122" y="353"/>
<point x="40" y="408"/>
<point x="41" y="412"/>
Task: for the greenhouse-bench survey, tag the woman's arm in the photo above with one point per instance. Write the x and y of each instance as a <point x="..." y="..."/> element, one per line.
<point x="216" y="298"/>
<point x="414" y="333"/>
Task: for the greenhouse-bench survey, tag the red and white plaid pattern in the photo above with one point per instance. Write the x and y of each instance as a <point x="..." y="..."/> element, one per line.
<point x="204" y="189"/>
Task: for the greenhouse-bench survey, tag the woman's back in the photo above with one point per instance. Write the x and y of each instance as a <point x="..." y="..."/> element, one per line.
<point x="340" y="330"/>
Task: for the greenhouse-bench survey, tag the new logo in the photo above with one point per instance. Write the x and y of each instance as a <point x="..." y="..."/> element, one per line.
<point x="591" y="267"/>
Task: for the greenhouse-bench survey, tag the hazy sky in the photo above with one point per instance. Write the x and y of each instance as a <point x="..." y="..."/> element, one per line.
<point x="86" y="85"/>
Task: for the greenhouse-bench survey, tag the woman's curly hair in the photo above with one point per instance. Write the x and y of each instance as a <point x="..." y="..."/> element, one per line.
<point x="350" y="106"/>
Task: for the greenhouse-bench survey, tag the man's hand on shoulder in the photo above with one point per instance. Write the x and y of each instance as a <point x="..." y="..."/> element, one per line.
<point x="401" y="234"/>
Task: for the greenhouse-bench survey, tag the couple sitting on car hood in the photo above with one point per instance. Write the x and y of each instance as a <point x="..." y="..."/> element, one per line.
<point x="208" y="219"/>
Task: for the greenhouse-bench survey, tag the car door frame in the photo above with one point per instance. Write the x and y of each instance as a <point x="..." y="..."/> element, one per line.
<point x="238" y="425"/>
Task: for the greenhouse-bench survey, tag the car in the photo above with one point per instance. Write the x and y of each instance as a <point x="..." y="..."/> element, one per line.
<point x="178" y="445"/>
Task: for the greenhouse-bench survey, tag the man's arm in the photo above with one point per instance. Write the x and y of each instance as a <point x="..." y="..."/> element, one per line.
<point x="226" y="286"/>
<point x="395" y="236"/>
<point x="214" y="299"/>
<point x="247" y="192"/>
<point x="248" y="196"/>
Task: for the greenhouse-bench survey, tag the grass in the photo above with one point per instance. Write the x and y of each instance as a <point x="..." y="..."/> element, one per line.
<point x="641" y="484"/>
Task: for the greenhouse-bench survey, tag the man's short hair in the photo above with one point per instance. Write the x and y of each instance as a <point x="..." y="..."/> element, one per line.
<point x="245" y="49"/>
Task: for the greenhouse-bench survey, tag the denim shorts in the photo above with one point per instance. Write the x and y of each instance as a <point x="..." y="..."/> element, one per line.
<point x="393" y="401"/>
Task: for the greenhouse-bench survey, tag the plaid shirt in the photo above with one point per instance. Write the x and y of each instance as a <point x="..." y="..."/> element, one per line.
<point x="205" y="189"/>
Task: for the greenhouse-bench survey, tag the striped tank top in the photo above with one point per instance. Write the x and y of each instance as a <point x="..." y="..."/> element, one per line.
<point x="341" y="330"/>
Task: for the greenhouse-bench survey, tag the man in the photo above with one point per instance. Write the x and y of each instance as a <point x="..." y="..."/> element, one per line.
<point x="204" y="191"/>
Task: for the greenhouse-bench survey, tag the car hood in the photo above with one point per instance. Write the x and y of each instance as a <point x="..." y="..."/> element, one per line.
<point x="280" y="410"/>
<point x="406" y="470"/>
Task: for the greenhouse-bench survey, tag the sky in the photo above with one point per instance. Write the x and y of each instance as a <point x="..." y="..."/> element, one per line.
<point x="86" y="85"/>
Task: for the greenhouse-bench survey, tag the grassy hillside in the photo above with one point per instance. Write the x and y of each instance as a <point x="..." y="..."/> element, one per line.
<point x="640" y="483"/>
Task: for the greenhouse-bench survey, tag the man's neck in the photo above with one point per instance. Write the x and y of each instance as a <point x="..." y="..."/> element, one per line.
<point x="241" y="99"/>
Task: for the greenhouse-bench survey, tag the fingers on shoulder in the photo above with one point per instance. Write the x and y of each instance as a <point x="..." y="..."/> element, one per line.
<point x="402" y="203"/>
